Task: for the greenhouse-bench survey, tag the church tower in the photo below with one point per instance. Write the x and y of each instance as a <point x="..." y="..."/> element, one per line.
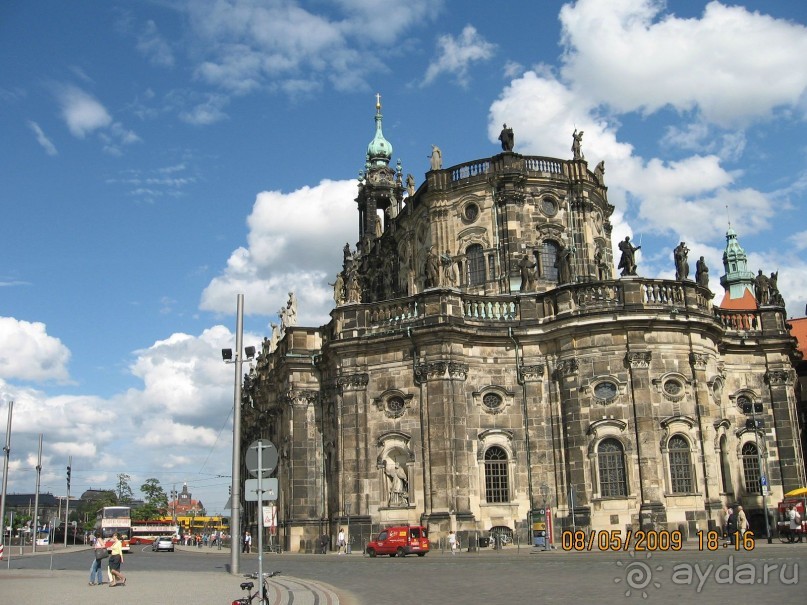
<point x="738" y="281"/>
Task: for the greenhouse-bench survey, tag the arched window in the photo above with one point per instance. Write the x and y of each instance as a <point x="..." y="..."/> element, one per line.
<point x="680" y="465"/>
<point x="725" y="469"/>
<point x="497" y="486"/>
<point x="611" y="465"/>
<point x="751" y="468"/>
<point x="549" y="258"/>
<point x="476" y="265"/>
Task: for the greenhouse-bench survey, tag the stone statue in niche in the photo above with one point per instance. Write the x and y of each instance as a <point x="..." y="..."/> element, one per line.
<point x="397" y="483"/>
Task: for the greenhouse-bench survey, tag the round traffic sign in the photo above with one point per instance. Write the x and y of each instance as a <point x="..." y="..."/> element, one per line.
<point x="268" y="457"/>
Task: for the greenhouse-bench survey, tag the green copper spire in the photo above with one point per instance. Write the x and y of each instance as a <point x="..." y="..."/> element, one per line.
<point x="735" y="262"/>
<point x="379" y="151"/>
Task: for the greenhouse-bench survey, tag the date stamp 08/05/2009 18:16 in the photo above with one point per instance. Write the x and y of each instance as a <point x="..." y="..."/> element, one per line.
<point x="651" y="540"/>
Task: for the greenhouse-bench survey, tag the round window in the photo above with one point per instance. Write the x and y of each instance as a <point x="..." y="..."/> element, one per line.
<point x="395" y="405"/>
<point x="549" y="206"/>
<point x="605" y="390"/>
<point x="672" y="387"/>
<point x="492" y="401"/>
<point x="471" y="212"/>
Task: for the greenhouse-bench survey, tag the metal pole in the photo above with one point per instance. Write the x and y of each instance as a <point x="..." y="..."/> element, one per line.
<point x="36" y="497"/>
<point x="763" y="488"/>
<point x="260" y="521"/>
<point x="6" y="452"/>
<point x="67" y="500"/>
<point x="235" y="520"/>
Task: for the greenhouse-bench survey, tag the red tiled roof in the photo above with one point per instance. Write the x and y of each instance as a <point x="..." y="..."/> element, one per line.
<point x="746" y="303"/>
<point x="799" y="331"/>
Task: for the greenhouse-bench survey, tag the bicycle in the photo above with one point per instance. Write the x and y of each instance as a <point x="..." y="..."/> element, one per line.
<point x="248" y="586"/>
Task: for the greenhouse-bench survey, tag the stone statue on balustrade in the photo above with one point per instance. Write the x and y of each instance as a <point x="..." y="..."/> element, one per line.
<point x="702" y="273"/>
<point x="410" y="185"/>
<point x="564" y="266"/>
<point x="681" y="256"/>
<point x="338" y="289"/>
<point x="527" y="268"/>
<point x="432" y="269"/>
<point x="436" y="158"/>
<point x="450" y="277"/>
<point x="577" y="145"/>
<point x="761" y="288"/>
<point x="291" y="310"/>
<point x="507" y="138"/>
<point x="627" y="261"/>
<point x="774" y="296"/>
<point x="274" y="337"/>
<point x="599" y="173"/>
<point x="353" y="289"/>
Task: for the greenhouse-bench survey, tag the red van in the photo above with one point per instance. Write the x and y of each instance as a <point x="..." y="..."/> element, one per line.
<point x="400" y="540"/>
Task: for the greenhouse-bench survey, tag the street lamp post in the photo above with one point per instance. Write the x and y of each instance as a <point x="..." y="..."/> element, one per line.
<point x="348" y="548"/>
<point x="235" y="500"/>
<point x="753" y="408"/>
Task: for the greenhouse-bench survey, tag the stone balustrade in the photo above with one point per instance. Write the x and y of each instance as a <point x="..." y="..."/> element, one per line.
<point x="626" y="295"/>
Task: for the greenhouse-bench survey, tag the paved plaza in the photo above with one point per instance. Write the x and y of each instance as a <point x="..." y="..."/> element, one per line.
<point x="771" y="573"/>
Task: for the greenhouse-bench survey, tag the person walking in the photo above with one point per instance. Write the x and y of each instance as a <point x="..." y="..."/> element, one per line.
<point x="742" y="521"/>
<point x="731" y="527"/>
<point x="795" y="524"/>
<point x="341" y="543"/>
<point x="247" y="542"/>
<point x="96" y="569"/>
<point x="452" y="542"/>
<point x="115" y="560"/>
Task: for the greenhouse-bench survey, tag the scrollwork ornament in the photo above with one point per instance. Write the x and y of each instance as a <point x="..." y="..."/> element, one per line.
<point x="565" y="367"/>
<point x="698" y="360"/>
<point x="301" y="398"/>
<point x="458" y="370"/>
<point x="638" y="359"/>
<point x="531" y="373"/>
<point x="778" y="377"/>
<point x="351" y="382"/>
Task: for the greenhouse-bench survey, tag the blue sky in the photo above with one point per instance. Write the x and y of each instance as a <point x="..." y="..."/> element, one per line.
<point x="158" y="157"/>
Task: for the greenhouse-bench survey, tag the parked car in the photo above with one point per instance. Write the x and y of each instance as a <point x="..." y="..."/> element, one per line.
<point x="400" y="541"/>
<point x="163" y="543"/>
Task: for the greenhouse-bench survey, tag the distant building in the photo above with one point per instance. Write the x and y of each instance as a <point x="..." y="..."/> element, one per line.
<point x="483" y="360"/>
<point x="185" y="504"/>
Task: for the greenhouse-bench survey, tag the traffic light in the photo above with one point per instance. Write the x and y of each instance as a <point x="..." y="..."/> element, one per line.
<point x="68" y="476"/>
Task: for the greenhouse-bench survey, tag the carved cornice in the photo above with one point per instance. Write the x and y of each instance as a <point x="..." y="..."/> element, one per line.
<point x="779" y="377"/>
<point x="698" y="360"/>
<point x="430" y="370"/>
<point x="301" y="397"/>
<point x="353" y="382"/>
<point x="638" y="359"/>
<point x="530" y="373"/>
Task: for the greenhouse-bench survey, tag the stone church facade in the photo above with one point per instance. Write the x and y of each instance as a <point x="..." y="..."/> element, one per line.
<point x="484" y="359"/>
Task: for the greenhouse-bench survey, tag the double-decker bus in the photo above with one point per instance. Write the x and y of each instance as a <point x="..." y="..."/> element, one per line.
<point x="115" y="519"/>
<point x="145" y="532"/>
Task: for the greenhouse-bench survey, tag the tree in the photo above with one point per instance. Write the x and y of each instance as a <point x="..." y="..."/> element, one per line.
<point x="156" y="500"/>
<point x="125" y="495"/>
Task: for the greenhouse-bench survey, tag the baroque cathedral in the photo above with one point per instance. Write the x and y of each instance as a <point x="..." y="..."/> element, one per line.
<point x="484" y="359"/>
